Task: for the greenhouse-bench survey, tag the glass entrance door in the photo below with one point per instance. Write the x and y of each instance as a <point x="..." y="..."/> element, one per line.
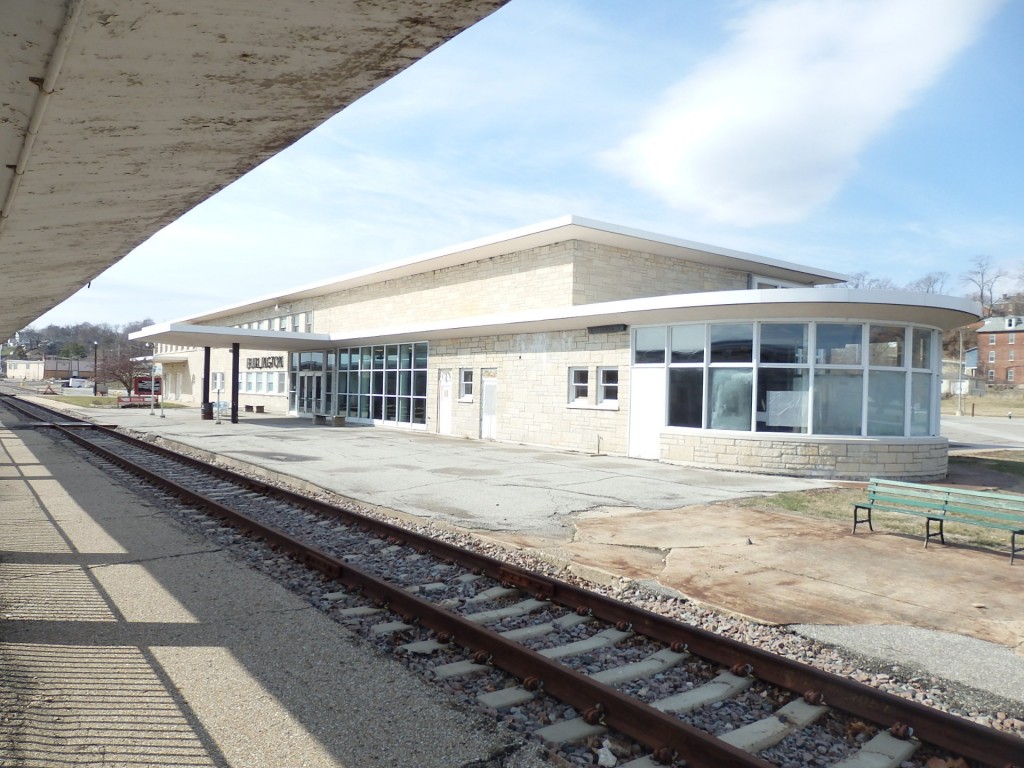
<point x="310" y="393"/>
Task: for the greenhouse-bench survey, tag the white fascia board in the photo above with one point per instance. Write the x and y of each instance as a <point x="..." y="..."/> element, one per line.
<point x="788" y="303"/>
<point x="187" y="335"/>
<point x="796" y="304"/>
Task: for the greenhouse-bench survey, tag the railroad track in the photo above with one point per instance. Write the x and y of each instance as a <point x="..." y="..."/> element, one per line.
<point x="517" y="639"/>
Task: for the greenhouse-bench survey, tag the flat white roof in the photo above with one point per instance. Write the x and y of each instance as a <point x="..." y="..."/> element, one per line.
<point x="533" y="236"/>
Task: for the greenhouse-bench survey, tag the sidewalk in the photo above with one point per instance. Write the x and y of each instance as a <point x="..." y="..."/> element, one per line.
<point x="125" y="641"/>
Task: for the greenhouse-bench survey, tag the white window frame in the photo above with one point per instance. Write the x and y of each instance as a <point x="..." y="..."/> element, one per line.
<point x="282" y="383"/>
<point x="1010" y="357"/>
<point x="1010" y="337"/>
<point x="604" y="387"/>
<point x="991" y="374"/>
<point x="579" y="385"/>
<point x="992" y="356"/>
<point x="991" y="339"/>
<point x="465" y="385"/>
<point x="1009" y="374"/>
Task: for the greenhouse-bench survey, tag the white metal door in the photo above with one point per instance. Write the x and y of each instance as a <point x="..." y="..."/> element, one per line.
<point x="646" y="412"/>
<point x="444" y="402"/>
<point x="489" y="404"/>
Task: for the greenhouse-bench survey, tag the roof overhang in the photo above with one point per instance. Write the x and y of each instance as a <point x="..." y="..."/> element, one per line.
<point x="933" y="310"/>
<point x="117" y="117"/>
<point x="535" y="236"/>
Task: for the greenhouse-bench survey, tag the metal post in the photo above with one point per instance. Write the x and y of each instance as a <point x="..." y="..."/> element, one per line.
<point x="95" y="369"/>
<point x="960" y="380"/>
<point x="152" y="379"/>
<point x="234" y="381"/>
<point x="206" y="409"/>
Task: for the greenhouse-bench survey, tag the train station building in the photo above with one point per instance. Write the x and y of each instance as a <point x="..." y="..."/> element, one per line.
<point x="587" y="336"/>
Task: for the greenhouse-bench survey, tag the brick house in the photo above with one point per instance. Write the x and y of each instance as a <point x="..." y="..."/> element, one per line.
<point x="1001" y="351"/>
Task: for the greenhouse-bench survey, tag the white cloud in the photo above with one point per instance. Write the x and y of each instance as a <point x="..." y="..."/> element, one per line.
<point x="771" y="127"/>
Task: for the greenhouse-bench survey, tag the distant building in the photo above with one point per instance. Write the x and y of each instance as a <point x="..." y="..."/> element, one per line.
<point x="48" y="367"/>
<point x="1001" y="351"/>
<point x="587" y="336"/>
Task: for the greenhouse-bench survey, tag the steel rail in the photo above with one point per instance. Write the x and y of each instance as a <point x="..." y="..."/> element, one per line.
<point x="941" y="729"/>
<point x="659" y="731"/>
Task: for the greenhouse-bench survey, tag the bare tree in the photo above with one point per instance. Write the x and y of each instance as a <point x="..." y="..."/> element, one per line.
<point x="983" y="275"/>
<point x="864" y="280"/>
<point x="122" y="364"/>
<point x="933" y="282"/>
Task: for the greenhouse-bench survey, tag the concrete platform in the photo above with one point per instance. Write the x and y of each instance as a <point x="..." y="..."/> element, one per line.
<point x="125" y="641"/>
<point x="610" y="517"/>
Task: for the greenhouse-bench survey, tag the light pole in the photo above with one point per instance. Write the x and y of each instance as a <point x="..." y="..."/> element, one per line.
<point x="152" y="378"/>
<point x="95" y="369"/>
<point x="960" y="379"/>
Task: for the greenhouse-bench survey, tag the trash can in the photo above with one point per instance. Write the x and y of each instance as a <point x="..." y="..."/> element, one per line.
<point x="206" y="409"/>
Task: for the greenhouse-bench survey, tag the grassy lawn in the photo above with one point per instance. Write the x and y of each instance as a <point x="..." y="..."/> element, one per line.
<point x="837" y="503"/>
<point x="987" y="406"/>
<point x="88" y="401"/>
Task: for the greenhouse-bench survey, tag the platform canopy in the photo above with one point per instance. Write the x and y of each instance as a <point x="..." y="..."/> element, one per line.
<point x="117" y="116"/>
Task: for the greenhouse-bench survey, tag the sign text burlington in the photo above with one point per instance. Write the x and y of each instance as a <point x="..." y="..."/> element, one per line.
<point x="276" y="361"/>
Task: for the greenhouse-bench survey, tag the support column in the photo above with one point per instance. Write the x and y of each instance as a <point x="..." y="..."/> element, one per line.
<point x="206" y="407"/>
<point x="234" y="382"/>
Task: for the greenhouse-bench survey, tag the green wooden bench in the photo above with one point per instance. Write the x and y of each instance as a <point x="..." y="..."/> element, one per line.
<point x="939" y="504"/>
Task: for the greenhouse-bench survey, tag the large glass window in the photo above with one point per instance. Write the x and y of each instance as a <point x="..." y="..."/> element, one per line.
<point x="838" y="343"/>
<point x="920" y="404"/>
<point x="685" y="396"/>
<point x="825" y="378"/>
<point x="688" y="344"/>
<point x="885" y="345"/>
<point x="730" y="398"/>
<point x="783" y="343"/>
<point x="886" y="402"/>
<point x="921" y="348"/>
<point x="838" y="398"/>
<point x="383" y="383"/>
<point x="782" y="398"/>
<point x="649" y="345"/>
<point x="732" y="342"/>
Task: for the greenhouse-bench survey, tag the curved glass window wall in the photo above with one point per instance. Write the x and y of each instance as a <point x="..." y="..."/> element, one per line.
<point x="816" y="378"/>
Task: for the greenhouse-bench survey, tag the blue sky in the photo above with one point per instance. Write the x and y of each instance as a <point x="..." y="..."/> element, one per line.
<point x="878" y="136"/>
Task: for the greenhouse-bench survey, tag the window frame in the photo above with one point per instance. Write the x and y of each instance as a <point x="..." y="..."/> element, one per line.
<point x="603" y="386"/>
<point x="579" y="385"/>
<point x="465" y="385"/>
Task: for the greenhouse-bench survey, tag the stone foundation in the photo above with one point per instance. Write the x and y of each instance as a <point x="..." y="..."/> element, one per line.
<point x="921" y="459"/>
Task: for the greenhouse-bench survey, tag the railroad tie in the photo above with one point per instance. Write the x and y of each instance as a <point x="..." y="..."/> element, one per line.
<point x="883" y="751"/>
<point x="600" y="640"/>
<point x="724" y="686"/>
<point x="521" y="608"/>
<point x="536" y="630"/>
<point x="771" y="730"/>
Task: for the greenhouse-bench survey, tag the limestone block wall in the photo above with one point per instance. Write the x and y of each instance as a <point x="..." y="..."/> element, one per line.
<point x="917" y="459"/>
<point x="532" y="372"/>
<point x="529" y="279"/>
<point x="604" y="273"/>
<point x="571" y="272"/>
